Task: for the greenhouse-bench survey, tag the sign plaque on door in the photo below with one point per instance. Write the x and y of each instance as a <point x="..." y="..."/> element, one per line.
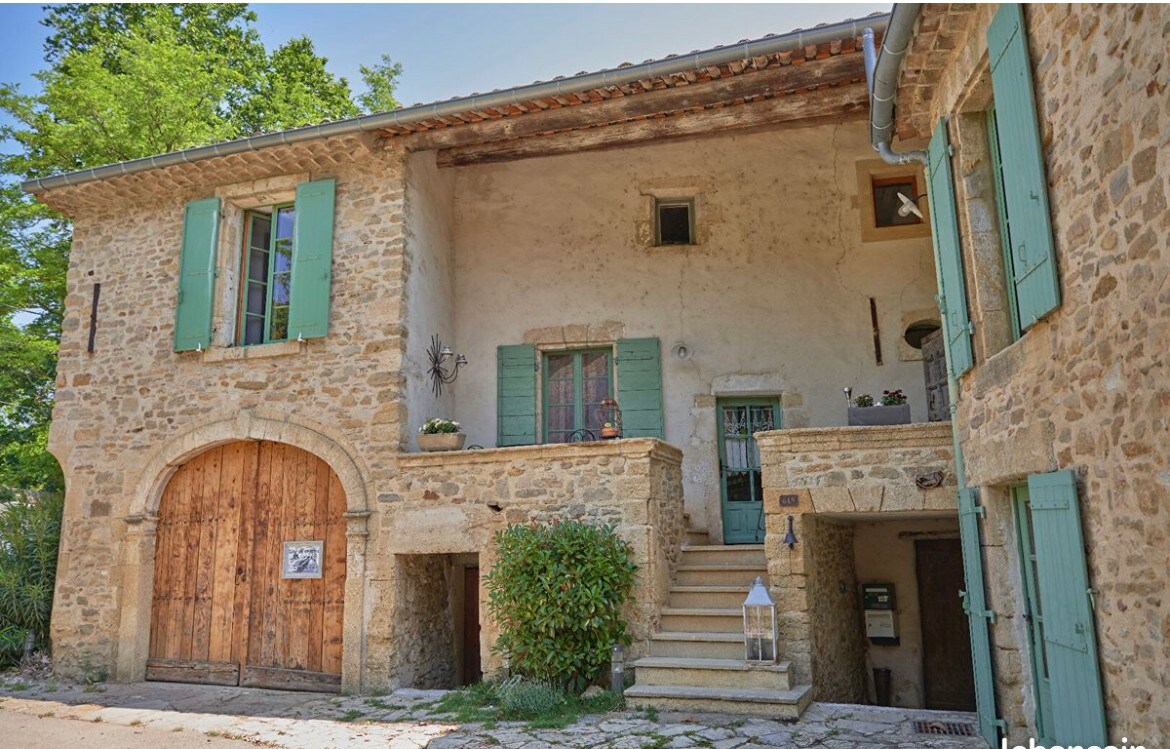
<point x="302" y="560"/>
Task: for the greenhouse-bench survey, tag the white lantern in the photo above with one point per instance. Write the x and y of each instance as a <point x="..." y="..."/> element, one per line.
<point x="759" y="624"/>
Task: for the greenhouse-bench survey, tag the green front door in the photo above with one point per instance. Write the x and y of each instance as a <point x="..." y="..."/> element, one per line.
<point x="1033" y="614"/>
<point x="739" y="465"/>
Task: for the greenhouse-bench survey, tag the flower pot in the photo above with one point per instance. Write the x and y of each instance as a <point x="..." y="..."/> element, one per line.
<point x="439" y="442"/>
<point x="610" y="432"/>
<point x="875" y="416"/>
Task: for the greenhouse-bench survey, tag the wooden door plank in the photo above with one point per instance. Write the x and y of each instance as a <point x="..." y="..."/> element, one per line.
<point x="204" y="567"/>
<point x="287" y="678"/>
<point x="265" y="553"/>
<point x="160" y="604"/>
<point x="179" y="625"/>
<point x="249" y="531"/>
<point x="224" y="561"/>
<point x="198" y="672"/>
<point x="333" y="589"/>
<point x="320" y="525"/>
<point x="298" y="511"/>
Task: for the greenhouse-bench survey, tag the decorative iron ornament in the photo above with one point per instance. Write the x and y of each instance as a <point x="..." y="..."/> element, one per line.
<point x="439" y="355"/>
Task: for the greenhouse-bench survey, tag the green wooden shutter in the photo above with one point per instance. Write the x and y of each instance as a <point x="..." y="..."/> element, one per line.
<point x="197" y="275"/>
<point x="1070" y="648"/>
<point x="312" y="269"/>
<point x="948" y="256"/>
<point x="978" y="615"/>
<point x="1033" y="258"/>
<point x="639" y="386"/>
<point x="516" y="395"/>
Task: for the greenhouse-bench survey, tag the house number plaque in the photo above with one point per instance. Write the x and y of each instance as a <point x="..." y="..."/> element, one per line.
<point x="789" y="500"/>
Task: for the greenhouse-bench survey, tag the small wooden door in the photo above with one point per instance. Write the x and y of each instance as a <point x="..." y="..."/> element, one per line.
<point x="742" y="494"/>
<point x="946" y="644"/>
<point x="223" y="611"/>
<point x="472" y="673"/>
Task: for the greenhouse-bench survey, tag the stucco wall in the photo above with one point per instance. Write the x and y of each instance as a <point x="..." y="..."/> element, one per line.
<point x="429" y="285"/>
<point x="1086" y="388"/>
<point x="773" y="300"/>
<point x="883" y="552"/>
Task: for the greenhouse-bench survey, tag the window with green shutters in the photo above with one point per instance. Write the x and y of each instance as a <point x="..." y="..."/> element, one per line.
<point x="1032" y="258"/>
<point x="570" y="386"/>
<point x="285" y="271"/>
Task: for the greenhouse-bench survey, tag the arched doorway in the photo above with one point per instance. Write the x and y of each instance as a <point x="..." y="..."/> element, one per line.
<point x="249" y="570"/>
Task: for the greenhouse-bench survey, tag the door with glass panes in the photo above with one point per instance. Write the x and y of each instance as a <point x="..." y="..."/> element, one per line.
<point x="742" y="495"/>
<point x="575" y="384"/>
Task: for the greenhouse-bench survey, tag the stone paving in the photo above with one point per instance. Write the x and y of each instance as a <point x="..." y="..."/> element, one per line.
<point x="405" y="720"/>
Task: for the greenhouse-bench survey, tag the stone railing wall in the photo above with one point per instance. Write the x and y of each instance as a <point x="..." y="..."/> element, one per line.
<point x="836" y="472"/>
<point x="454" y="503"/>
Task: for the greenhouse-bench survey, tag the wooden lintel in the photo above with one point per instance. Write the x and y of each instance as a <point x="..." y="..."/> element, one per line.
<point x="774" y="80"/>
<point x="838" y="102"/>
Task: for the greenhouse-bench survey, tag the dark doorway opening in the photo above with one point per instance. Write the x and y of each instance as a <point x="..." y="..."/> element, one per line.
<point x="948" y="682"/>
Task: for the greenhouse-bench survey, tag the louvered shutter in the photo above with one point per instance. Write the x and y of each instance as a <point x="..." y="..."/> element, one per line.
<point x="197" y="275"/>
<point x="516" y="395"/>
<point x="978" y="616"/>
<point x="639" y="387"/>
<point x="1070" y="647"/>
<point x="312" y="267"/>
<point x="1033" y="259"/>
<point x="948" y="256"/>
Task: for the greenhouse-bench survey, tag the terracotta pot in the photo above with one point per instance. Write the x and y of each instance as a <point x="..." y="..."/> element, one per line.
<point x="439" y="442"/>
<point x="609" y="433"/>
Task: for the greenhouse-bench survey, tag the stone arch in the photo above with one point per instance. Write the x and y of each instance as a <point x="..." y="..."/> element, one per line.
<point x="137" y="570"/>
<point x="248" y="425"/>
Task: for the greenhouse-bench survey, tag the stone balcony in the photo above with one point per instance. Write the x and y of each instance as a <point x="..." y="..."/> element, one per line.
<point x="453" y="503"/>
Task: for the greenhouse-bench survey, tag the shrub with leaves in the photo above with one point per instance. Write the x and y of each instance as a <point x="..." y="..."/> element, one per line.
<point x="30" y="530"/>
<point x="557" y="592"/>
<point x="865" y="400"/>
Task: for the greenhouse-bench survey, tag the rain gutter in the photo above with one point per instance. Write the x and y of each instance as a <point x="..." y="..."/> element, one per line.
<point x="881" y="73"/>
<point x="789" y="42"/>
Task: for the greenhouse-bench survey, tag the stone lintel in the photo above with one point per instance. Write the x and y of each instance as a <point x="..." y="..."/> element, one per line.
<point x="819" y="439"/>
<point x="649" y="448"/>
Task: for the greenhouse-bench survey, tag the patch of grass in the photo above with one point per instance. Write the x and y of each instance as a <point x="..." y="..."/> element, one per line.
<point x="18" y="686"/>
<point x="351" y="715"/>
<point x="535" y="703"/>
<point x="652" y="714"/>
<point x="378" y="704"/>
<point x="49" y="714"/>
<point x="659" y="742"/>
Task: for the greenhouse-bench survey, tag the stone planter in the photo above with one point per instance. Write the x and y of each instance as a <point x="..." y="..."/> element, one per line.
<point x="440" y="442"/>
<point x="879" y="416"/>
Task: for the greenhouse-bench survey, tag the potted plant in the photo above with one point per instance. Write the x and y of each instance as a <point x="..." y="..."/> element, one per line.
<point x="893" y="410"/>
<point x="440" y="434"/>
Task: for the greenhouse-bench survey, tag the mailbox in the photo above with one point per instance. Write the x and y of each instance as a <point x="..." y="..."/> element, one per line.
<point x="880" y="606"/>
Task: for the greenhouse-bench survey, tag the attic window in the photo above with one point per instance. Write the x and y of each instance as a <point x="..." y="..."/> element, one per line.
<point x="674" y="220"/>
<point x="878" y="187"/>
<point x="886" y="204"/>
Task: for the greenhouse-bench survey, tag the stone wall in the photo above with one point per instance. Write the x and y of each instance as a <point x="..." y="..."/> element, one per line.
<point x="838" y="673"/>
<point x="424" y="637"/>
<point x="450" y="503"/>
<point x="841" y="472"/>
<point x="1086" y="388"/>
<point x="132" y="400"/>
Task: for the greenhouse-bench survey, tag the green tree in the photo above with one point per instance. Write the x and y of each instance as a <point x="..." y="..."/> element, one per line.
<point x="295" y="89"/>
<point x="381" y="81"/>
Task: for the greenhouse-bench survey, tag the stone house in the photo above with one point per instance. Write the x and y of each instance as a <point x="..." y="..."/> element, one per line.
<point x="1048" y="157"/>
<point x="709" y="240"/>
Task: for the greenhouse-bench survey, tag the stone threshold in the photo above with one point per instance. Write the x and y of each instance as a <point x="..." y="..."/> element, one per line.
<point x="643" y="447"/>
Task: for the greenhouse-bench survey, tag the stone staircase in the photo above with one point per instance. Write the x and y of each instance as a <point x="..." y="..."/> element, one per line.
<point x="696" y="662"/>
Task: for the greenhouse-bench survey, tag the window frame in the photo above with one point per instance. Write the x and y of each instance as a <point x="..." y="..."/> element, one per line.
<point x="659" y="204"/>
<point x="1002" y="220"/>
<point x="242" y="313"/>
<point x="578" y="385"/>
<point x="874" y="169"/>
<point x="876" y="182"/>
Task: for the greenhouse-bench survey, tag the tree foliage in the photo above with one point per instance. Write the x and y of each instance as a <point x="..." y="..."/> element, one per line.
<point x="125" y="81"/>
<point x="30" y="529"/>
<point x="557" y="592"/>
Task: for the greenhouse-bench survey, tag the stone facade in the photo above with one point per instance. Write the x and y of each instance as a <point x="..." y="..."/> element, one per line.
<point x="1085" y="388"/>
<point x="835" y="615"/>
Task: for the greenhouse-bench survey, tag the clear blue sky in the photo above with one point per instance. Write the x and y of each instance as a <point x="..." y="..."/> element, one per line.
<point x="453" y="50"/>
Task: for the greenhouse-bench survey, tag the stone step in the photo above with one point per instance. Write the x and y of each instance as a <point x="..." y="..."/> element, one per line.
<point x="785" y="704"/>
<point x="712" y="672"/>
<point x="720" y="574"/>
<point x="696" y="537"/>
<point x="707" y="596"/>
<point x="696" y="645"/>
<point x="723" y="555"/>
<point x="702" y="620"/>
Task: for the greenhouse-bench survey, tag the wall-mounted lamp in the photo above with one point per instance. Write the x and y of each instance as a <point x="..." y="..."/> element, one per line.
<point x="790" y="537"/>
<point x="848" y="394"/>
<point x="910" y="205"/>
<point x="440" y="357"/>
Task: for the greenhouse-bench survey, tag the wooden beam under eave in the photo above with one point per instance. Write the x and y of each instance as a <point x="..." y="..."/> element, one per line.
<point x="838" y="102"/>
<point x="776" y="79"/>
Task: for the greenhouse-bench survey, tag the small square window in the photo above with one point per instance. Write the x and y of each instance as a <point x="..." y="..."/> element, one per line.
<point x="675" y="222"/>
<point x="887" y="207"/>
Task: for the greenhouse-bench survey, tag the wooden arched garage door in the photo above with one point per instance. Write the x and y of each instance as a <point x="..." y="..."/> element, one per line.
<point x="249" y="570"/>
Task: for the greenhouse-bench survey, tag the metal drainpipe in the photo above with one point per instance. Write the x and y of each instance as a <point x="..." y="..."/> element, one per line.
<point x="881" y="74"/>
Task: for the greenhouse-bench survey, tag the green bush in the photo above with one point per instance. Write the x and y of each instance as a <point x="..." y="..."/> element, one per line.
<point x="29" y="533"/>
<point x="557" y="592"/>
